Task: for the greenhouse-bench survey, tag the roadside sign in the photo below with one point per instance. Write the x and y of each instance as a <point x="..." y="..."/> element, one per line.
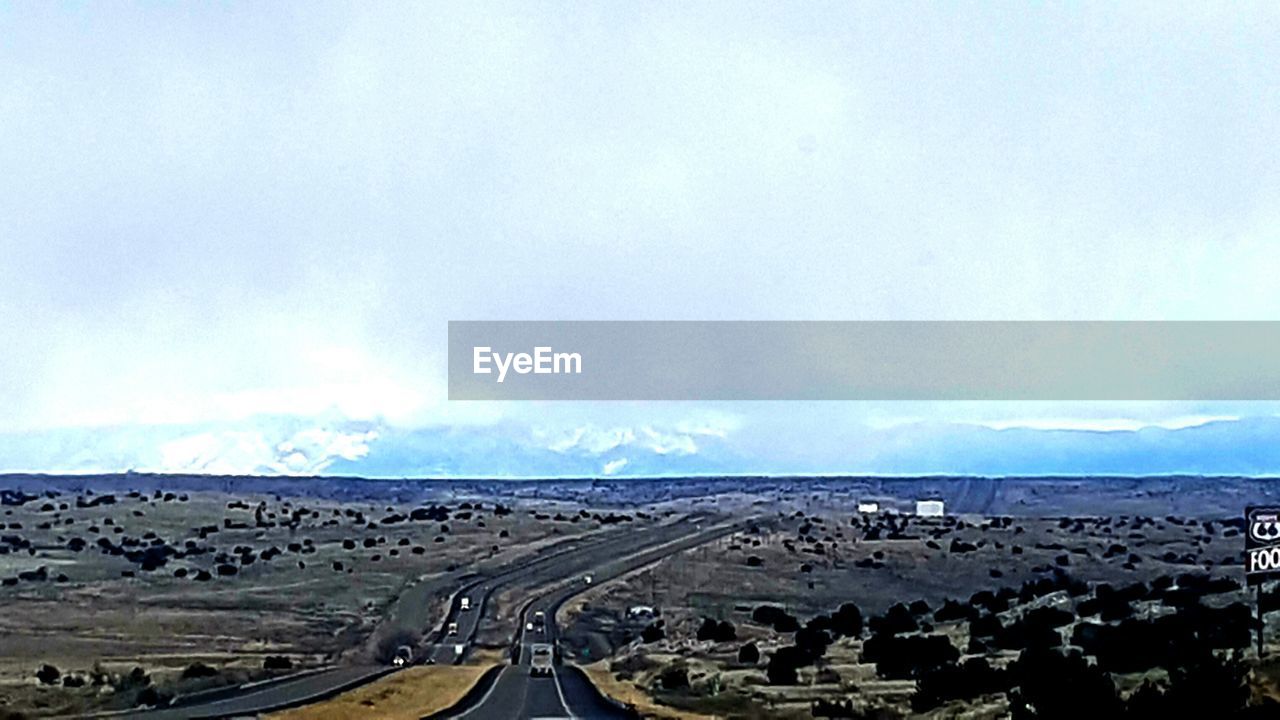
<point x="1261" y="544"/>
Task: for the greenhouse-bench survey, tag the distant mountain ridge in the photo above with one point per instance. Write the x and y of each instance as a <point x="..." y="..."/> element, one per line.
<point x="282" y="446"/>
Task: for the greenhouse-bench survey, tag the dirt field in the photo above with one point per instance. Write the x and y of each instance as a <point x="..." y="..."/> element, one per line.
<point x="219" y="587"/>
<point x="810" y="564"/>
<point x="118" y="598"/>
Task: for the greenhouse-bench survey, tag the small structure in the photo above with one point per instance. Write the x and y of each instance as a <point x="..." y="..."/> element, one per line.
<point x="640" y="612"/>
<point x="929" y="508"/>
<point x="868" y="507"/>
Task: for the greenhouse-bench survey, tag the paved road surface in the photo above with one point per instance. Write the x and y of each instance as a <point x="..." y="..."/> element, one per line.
<point x="539" y="572"/>
<point x="568" y="693"/>
<point x="574" y="557"/>
<point x="310" y="687"/>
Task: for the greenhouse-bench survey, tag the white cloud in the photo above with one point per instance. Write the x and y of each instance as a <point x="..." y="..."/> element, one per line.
<point x="679" y="439"/>
<point x="237" y="452"/>
<point x="586" y="439"/>
<point x="613" y="466"/>
<point x="1119" y="424"/>
<point x="213" y="270"/>
<point x="668" y="443"/>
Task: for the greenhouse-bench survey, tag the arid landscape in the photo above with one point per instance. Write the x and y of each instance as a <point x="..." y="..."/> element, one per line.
<point x="125" y="592"/>
<point x="118" y="597"/>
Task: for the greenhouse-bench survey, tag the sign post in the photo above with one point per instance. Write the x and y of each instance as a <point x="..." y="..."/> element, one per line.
<point x="1262" y="554"/>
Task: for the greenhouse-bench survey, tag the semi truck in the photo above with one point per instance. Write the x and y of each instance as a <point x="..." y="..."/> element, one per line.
<point x="540" y="662"/>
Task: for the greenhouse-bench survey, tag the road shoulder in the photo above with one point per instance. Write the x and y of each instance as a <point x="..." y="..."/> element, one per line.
<point x="407" y="695"/>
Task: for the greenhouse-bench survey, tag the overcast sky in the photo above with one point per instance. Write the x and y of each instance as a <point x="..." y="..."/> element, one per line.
<point x="214" y="216"/>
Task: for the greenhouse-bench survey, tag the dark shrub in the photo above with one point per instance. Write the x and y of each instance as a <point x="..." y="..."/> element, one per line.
<point x="993" y="602"/>
<point x="1024" y="634"/>
<point x="940" y="685"/>
<point x="198" y="670"/>
<point x="277" y="662"/>
<point x="1054" y="686"/>
<point x="675" y="678"/>
<point x="775" y="617"/>
<point x="782" y="665"/>
<point x="904" y="658"/>
<point x="1049" y="617"/>
<point x="952" y="610"/>
<point x="1206" y="687"/>
<point x="707" y="631"/>
<point x="898" y="619"/>
<point x="150" y="697"/>
<point x="48" y="674"/>
<point x="847" y="621"/>
<point x="812" y="642"/>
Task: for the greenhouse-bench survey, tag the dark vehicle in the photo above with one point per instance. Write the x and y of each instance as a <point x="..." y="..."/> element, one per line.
<point x="403" y="656"/>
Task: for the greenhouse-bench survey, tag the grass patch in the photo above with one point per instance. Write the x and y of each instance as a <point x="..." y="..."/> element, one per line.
<point x="406" y="695"/>
<point x="626" y="692"/>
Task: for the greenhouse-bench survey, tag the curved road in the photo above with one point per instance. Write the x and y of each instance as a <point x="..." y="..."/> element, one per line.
<point x="569" y="559"/>
<point x="567" y="693"/>
<point x="540" y="571"/>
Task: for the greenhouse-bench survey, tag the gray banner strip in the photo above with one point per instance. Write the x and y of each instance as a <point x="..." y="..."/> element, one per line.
<point x="887" y="360"/>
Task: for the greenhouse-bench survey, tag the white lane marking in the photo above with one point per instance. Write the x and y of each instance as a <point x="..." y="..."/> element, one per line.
<point x="485" y="699"/>
<point x="556" y="677"/>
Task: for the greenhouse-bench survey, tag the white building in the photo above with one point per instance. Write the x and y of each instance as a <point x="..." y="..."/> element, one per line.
<point x="929" y="508"/>
<point x="868" y="507"/>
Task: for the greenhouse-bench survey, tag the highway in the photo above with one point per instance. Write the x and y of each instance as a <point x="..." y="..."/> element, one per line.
<point x="572" y="558"/>
<point x="540" y="571"/>
<point x="249" y="699"/>
<point x="516" y="695"/>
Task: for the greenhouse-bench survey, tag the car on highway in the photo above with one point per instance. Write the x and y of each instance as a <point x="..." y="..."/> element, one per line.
<point x="453" y="628"/>
<point x="464" y="604"/>
<point x="540" y="661"/>
<point x="539" y="623"/>
<point x="403" y="656"/>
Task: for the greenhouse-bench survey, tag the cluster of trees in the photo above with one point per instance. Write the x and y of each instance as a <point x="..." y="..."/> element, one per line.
<point x="136" y="680"/>
<point x="1049" y="684"/>
<point x="717" y="631"/>
<point x="1047" y="681"/>
<point x="810" y="641"/>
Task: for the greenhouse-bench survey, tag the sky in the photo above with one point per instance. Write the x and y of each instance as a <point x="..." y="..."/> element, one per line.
<point x="232" y="234"/>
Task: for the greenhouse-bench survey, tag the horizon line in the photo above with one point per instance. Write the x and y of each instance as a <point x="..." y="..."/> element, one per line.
<point x="10" y="474"/>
